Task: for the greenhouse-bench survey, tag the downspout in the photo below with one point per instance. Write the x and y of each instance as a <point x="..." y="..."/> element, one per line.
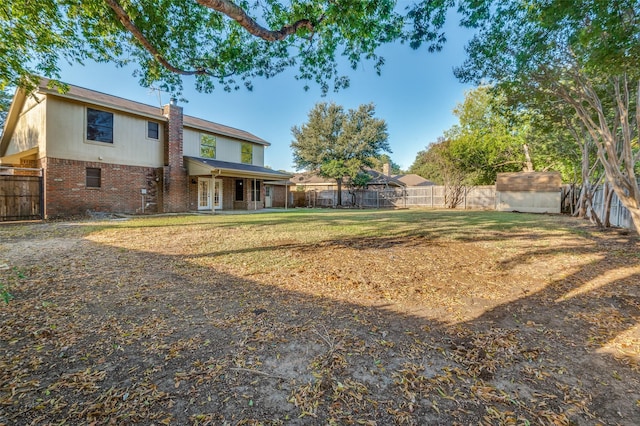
<point x="286" y="195"/>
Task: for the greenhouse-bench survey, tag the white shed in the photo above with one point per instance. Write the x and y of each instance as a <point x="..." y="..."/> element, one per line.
<point x="529" y="192"/>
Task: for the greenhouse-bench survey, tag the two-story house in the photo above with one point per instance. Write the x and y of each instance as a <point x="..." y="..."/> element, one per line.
<point x="102" y="153"/>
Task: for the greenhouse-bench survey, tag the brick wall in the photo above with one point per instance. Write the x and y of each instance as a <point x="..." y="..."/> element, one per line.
<point x="193" y="193"/>
<point x="66" y="193"/>
<point x="246" y="204"/>
<point x="278" y="195"/>
<point x="228" y="193"/>
<point x="175" y="182"/>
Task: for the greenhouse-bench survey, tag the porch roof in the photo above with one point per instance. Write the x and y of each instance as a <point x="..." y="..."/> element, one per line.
<point x="205" y="166"/>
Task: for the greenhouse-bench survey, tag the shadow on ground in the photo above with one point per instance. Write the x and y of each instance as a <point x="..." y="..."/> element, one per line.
<point x="106" y="333"/>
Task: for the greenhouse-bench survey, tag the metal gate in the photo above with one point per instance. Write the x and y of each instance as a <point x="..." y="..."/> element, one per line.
<point x="21" y="196"/>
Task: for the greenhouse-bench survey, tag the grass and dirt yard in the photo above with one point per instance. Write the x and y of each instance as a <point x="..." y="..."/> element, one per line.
<point x="320" y="317"/>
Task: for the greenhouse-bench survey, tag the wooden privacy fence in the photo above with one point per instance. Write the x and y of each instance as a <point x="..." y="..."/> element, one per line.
<point x="473" y="197"/>
<point x="619" y="214"/>
<point x="21" y="195"/>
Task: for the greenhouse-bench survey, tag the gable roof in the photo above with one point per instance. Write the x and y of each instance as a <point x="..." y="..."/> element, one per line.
<point x="84" y="95"/>
<point x="412" y="180"/>
<point x="308" y="178"/>
<point x="209" y="126"/>
<point x="377" y="178"/>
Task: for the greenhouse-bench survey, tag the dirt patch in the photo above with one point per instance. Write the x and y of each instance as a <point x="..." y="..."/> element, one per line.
<point x="209" y="324"/>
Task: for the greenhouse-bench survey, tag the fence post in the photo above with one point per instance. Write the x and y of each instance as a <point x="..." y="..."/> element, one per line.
<point x="432" y="195"/>
<point x="465" y="197"/>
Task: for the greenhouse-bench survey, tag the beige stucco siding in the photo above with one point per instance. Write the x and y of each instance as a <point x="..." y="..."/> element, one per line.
<point x="227" y="149"/>
<point x="66" y="137"/>
<point x="30" y="128"/>
<point x="528" y="202"/>
<point x="258" y="155"/>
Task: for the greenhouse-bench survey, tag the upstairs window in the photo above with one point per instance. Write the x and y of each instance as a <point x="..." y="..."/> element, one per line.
<point x="153" y="130"/>
<point x="93" y="177"/>
<point x="99" y="125"/>
<point x="246" y="155"/>
<point x="207" y="146"/>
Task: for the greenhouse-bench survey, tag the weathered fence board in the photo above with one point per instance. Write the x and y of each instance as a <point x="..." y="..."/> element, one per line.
<point x="619" y="215"/>
<point x="20" y="197"/>
<point x="474" y="197"/>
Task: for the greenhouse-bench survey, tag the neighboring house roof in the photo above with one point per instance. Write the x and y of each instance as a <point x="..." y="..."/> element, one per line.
<point x="378" y="178"/>
<point x="312" y="179"/>
<point x="278" y="182"/>
<point x="308" y="178"/>
<point x="412" y="180"/>
<point x="223" y="168"/>
<point x="114" y="102"/>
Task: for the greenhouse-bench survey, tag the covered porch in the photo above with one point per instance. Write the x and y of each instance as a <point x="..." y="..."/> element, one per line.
<point x="225" y="186"/>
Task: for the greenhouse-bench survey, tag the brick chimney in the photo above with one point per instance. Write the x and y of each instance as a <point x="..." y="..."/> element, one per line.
<point x="175" y="195"/>
<point x="386" y="169"/>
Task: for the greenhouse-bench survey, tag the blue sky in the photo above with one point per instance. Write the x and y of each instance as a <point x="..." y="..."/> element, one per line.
<point x="415" y="95"/>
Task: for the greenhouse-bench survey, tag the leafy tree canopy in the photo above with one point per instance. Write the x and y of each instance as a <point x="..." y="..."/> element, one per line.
<point x="439" y="164"/>
<point x="582" y="53"/>
<point x="379" y="162"/>
<point x="435" y="163"/>
<point x="336" y="143"/>
<point x="5" y="104"/>
<point x="222" y="43"/>
<point x="334" y="138"/>
<point x="492" y="137"/>
<point x="485" y="142"/>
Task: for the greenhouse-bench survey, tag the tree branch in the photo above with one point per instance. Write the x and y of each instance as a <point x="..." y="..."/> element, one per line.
<point x="126" y="21"/>
<point x="225" y="7"/>
<point x="240" y="16"/>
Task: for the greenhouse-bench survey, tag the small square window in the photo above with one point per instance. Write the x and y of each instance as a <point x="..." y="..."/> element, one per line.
<point x="94" y="177"/>
<point x="153" y="130"/>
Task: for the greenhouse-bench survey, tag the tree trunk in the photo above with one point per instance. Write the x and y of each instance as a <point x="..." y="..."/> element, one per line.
<point x="339" y="181"/>
<point x="527" y="156"/>
<point x="635" y="217"/>
<point x="613" y="137"/>
<point x="608" y="197"/>
<point x="581" y="206"/>
<point x="590" y="210"/>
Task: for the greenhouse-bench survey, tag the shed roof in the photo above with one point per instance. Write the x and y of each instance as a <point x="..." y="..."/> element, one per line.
<point x="529" y="181"/>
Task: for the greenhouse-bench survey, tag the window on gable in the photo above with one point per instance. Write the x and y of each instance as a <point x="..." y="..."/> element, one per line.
<point x="246" y="155"/>
<point x="153" y="130"/>
<point x="93" y="177"/>
<point x="207" y="146"/>
<point x="99" y="125"/>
